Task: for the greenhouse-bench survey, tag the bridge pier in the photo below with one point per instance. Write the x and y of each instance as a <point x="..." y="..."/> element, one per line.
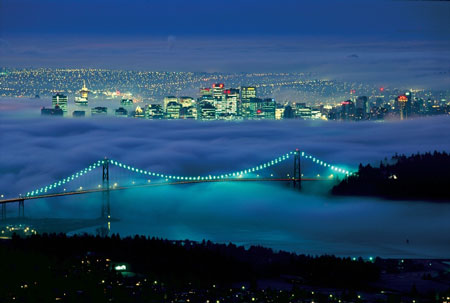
<point x="297" y="179"/>
<point x="21" y="208"/>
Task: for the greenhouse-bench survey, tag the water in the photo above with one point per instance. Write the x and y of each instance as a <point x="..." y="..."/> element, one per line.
<point x="275" y="216"/>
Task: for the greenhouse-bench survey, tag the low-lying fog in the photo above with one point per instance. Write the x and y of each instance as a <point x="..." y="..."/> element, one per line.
<point x="38" y="150"/>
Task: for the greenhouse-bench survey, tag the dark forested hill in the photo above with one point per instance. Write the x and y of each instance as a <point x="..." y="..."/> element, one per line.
<point x="420" y="176"/>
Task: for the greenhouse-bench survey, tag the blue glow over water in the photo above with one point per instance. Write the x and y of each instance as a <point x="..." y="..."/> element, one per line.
<point x="275" y="216"/>
<point x="41" y="150"/>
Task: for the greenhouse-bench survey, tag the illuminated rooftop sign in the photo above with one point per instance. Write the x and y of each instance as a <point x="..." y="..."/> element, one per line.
<point x="402" y="98"/>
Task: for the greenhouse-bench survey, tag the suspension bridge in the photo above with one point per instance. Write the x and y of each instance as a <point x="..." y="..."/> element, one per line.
<point x="252" y="174"/>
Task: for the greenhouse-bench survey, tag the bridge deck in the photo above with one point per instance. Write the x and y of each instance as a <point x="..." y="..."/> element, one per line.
<point x="114" y="188"/>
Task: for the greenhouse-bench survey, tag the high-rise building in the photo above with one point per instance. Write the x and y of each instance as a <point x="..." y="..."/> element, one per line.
<point x="401" y="106"/>
<point x="84" y="93"/>
<point x="302" y="111"/>
<point x="316" y="113"/>
<point x="419" y="106"/>
<point x="188" y="112"/>
<point x="408" y="105"/>
<point x="220" y="102"/>
<point x="126" y="102"/>
<point x="154" y="111"/>
<point x="362" y="108"/>
<point x="167" y="100"/>
<point x="206" y="111"/>
<point x="231" y="99"/>
<point x="121" y="112"/>
<point x="221" y="107"/>
<point x="56" y="111"/>
<point x="248" y="92"/>
<point x="205" y="92"/>
<point x="61" y="101"/>
<point x="217" y="90"/>
<point x="186" y="101"/>
<point x="254" y="109"/>
<point x="173" y="110"/>
<point x="99" y="111"/>
<point x="268" y="108"/>
<point x="347" y="110"/>
<point x="279" y="112"/>
<point x="289" y="112"/>
<point x="138" y="112"/>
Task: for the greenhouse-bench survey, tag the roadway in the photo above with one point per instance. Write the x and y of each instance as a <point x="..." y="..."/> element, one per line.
<point x="115" y="188"/>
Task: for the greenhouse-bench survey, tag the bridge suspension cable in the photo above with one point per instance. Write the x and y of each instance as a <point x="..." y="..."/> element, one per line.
<point x="63" y="181"/>
<point x="235" y="174"/>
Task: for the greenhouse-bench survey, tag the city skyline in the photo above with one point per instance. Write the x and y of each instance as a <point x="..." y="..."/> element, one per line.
<point x="219" y="102"/>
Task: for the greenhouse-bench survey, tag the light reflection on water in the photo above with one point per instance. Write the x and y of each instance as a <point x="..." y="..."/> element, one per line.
<point x="270" y="215"/>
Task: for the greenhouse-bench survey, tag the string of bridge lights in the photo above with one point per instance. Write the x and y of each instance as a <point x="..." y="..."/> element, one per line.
<point x="236" y="174"/>
<point x="61" y="182"/>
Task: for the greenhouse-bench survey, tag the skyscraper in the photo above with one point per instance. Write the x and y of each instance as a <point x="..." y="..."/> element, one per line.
<point x="187" y="101"/>
<point x="154" y="111"/>
<point x="302" y="111"/>
<point x="126" y="102"/>
<point x="288" y="112"/>
<point x="408" y="105"/>
<point x="188" y="112"/>
<point x="173" y="110"/>
<point x="169" y="99"/>
<point x="401" y="105"/>
<point x="268" y="107"/>
<point x="206" y="111"/>
<point x="217" y="90"/>
<point x="99" y="111"/>
<point x="121" y="112"/>
<point x="138" y="112"/>
<point x="231" y="98"/>
<point x="205" y="92"/>
<point x="56" y="111"/>
<point x="61" y="101"/>
<point x="219" y="99"/>
<point x="362" y="107"/>
<point x="347" y="110"/>
<point x="84" y="93"/>
<point x="248" y="92"/>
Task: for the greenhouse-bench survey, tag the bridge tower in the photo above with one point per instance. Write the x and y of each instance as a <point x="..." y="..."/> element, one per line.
<point x="105" y="193"/>
<point x="297" y="180"/>
<point x="21" y="208"/>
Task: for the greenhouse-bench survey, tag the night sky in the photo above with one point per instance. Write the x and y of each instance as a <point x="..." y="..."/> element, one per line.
<point x="354" y="40"/>
<point x="418" y="20"/>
